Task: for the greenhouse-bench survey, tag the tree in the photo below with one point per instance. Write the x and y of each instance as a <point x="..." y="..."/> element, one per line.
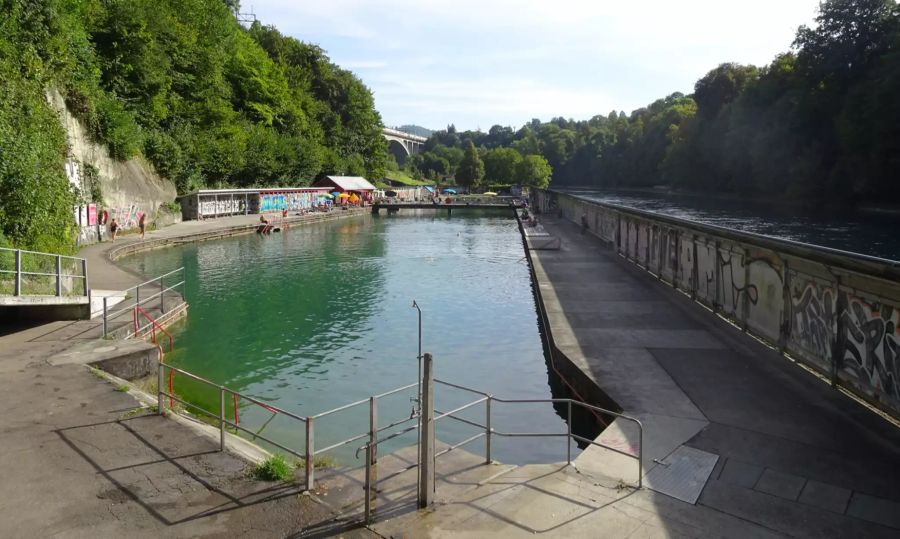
<point x="500" y="165"/>
<point x="534" y="171"/>
<point x="471" y="168"/>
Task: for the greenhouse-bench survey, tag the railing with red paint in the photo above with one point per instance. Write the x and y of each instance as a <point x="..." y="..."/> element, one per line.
<point x="154" y="325"/>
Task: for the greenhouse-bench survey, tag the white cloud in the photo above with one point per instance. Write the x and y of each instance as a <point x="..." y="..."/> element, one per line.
<point x="477" y="62"/>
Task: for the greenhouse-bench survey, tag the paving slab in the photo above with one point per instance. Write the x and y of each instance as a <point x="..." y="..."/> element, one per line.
<point x="783" y="485"/>
<point x="825" y="496"/>
<point x="742" y="474"/>
<point x="874" y="509"/>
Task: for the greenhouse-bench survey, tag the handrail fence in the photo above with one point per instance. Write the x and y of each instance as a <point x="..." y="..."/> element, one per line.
<point x="159" y="292"/>
<point x="42" y="274"/>
<point x="373" y="435"/>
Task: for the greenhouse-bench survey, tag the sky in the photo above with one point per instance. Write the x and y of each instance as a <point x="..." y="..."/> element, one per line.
<point x="477" y="63"/>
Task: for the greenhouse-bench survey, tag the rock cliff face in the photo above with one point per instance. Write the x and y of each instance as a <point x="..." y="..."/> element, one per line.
<point x="129" y="188"/>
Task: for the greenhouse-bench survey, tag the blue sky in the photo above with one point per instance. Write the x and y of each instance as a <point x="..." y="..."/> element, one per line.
<point x="479" y="63"/>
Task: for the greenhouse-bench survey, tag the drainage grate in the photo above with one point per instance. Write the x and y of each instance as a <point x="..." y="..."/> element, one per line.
<point x="683" y="474"/>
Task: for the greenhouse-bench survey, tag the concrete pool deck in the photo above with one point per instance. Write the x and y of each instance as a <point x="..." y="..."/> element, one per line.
<point x="78" y="460"/>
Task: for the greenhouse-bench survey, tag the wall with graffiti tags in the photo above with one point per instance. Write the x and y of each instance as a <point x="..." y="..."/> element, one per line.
<point x="836" y="312"/>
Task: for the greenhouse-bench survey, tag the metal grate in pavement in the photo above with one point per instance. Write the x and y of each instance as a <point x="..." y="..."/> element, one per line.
<point x="682" y="474"/>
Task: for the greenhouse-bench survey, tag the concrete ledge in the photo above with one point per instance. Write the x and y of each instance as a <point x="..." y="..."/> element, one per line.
<point x="74" y="308"/>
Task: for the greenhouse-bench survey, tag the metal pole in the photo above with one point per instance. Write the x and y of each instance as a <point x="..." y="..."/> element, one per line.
<point x="162" y="296"/>
<point x="18" y="287"/>
<point x="373" y="428"/>
<point x="419" y="389"/>
<point x="487" y="430"/>
<point x="569" y="435"/>
<point x="160" y="383"/>
<point x="310" y="454"/>
<point x="105" y="323"/>
<point x="426" y="449"/>
<point x="368" y="488"/>
<point x="221" y="418"/>
<point x="87" y="289"/>
<point x="640" y="456"/>
<point x="58" y="275"/>
<point x="137" y="295"/>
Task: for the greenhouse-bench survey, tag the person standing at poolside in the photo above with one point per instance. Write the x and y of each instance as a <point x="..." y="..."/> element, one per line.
<point x="142" y="222"/>
<point x="113" y="228"/>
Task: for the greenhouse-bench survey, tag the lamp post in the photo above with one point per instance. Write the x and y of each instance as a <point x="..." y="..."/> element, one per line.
<point x="419" y="392"/>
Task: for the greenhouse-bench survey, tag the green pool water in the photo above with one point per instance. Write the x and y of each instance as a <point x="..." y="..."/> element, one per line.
<point x="321" y="315"/>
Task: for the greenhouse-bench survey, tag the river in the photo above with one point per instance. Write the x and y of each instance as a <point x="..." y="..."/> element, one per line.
<point x="869" y="233"/>
<point x="321" y="315"/>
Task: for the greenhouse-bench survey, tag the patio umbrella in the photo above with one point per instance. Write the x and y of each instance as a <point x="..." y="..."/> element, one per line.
<point x="326" y="195"/>
<point x="451" y="191"/>
<point x="335" y="193"/>
<point x="343" y="195"/>
<point x="489" y="193"/>
<point x="354" y="198"/>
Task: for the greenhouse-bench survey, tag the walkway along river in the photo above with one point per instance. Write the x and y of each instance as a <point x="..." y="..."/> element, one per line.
<point x="836" y="311"/>
<point x="319" y="316"/>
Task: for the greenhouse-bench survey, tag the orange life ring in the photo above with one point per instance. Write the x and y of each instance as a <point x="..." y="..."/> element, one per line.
<point x="104" y="217"/>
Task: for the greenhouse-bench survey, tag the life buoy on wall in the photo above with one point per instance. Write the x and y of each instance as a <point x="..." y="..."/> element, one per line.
<point x="104" y="217"/>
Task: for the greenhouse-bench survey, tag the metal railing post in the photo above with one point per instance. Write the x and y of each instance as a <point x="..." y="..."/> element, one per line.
<point x="426" y="448"/>
<point x="640" y="455"/>
<point x="105" y="323"/>
<point x="373" y="428"/>
<point x="310" y="454"/>
<point x="569" y="434"/>
<point x="160" y="384"/>
<point x="18" y="286"/>
<point x="162" y="296"/>
<point x="58" y="275"/>
<point x="368" y="494"/>
<point x="487" y="430"/>
<point x="221" y="418"/>
<point x="87" y="288"/>
<point x="137" y="295"/>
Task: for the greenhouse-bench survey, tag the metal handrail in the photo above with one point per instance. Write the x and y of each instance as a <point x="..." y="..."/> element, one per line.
<point x="373" y="433"/>
<point x="58" y="274"/>
<point x="156" y="325"/>
<point x="135" y="292"/>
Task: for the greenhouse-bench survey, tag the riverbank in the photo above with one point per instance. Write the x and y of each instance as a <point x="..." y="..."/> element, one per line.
<point x="790" y="454"/>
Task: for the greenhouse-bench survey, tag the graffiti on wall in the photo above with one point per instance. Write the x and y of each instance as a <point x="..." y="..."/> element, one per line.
<point x="860" y="335"/>
<point x="287" y="201"/>
<point x="223" y="206"/>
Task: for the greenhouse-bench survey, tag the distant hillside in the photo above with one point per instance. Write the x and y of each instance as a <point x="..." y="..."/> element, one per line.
<point x="416" y="130"/>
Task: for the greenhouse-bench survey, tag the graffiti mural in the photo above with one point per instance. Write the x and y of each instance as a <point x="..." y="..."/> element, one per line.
<point x="859" y="335"/>
<point x="223" y="206"/>
<point x="286" y="201"/>
<point x="869" y="346"/>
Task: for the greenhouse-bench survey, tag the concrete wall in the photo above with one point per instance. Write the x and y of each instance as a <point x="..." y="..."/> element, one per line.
<point x="835" y="311"/>
<point x="130" y="188"/>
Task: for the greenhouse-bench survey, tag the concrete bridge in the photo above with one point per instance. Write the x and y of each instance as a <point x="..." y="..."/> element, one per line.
<point x="402" y="144"/>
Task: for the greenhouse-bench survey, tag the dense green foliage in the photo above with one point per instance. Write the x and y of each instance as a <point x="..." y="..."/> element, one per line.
<point x="207" y="101"/>
<point x="821" y="122"/>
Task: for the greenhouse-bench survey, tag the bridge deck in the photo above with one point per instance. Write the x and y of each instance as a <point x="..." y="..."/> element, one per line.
<point x="429" y="206"/>
<point x="794" y="455"/>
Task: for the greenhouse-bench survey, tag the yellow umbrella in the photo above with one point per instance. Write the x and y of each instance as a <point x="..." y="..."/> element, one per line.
<point x="343" y="195"/>
<point x="354" y="198"/>
<point x="489" y="193"/>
